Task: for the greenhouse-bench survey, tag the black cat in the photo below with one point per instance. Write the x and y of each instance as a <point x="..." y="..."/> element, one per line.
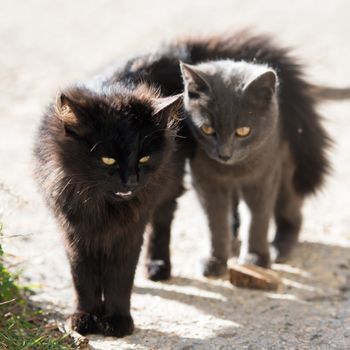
<point x="106" y="165"/>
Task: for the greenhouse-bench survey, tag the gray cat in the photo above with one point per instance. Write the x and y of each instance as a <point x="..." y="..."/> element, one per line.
<point x="233" y="112"/>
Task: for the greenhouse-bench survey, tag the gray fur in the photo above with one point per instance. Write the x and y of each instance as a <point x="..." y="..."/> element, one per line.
<point x="258" y="168"/>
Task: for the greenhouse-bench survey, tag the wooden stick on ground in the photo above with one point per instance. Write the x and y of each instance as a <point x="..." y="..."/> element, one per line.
<point x="252" y="276"/>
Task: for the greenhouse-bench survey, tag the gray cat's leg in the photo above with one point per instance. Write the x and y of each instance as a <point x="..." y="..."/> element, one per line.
<point x="288" y="219"/>
<point x="215" y="200"/>
<point x="236" y="221"/>
<point x="218" y="210"/>
<point x="260" y="200"/>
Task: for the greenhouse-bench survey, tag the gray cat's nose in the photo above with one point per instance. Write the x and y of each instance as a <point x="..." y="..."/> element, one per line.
<point x="224" y="152"/>
<point x="224" y="158"/>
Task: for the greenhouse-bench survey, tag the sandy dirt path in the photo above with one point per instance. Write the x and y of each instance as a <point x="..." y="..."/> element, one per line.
<point x="46" y="45"/>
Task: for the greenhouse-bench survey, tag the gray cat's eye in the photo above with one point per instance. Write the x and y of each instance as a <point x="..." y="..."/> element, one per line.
<point x="243" y="131"/>
<point x="207" y="129"/>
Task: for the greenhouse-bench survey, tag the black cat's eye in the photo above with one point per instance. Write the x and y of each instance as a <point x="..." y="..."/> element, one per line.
<point x="144" y="159"/>
<point x="243" y="131"/>
<point x="108" y="161"/>
<point x="207" y="129"/>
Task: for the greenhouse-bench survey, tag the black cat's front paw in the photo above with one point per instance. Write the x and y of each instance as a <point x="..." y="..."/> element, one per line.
<point x="282" y="250"/>
<point x="84" y="323"/>
<point x="117" y="325"/>
<point x="213" y="267"/>
<point x="158" y="270"/>
<point x="262" y="260"/>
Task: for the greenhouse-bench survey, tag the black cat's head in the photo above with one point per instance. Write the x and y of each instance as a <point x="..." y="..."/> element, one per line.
<point x="230" y="106"/>
<point x="115" y="140"/>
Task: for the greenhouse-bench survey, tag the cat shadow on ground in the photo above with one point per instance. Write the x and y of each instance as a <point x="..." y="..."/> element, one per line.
<point x="317" y="273"/>
<point x="154" y="339"/>
<point x="314" y="267"/>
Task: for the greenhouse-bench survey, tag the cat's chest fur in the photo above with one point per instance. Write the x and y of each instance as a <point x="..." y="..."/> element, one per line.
<point x="246" y="172"/>
<point x="99" y="222"/>
<point x="103" y="224"/>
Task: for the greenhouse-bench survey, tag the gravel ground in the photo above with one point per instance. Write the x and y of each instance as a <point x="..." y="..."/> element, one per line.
<point x="48" y="44"/>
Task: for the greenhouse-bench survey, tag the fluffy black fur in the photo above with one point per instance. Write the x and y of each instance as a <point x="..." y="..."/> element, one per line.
<point x="103" y="209"/>
<point x="104" y="231"/>
<point x="297" y="98"/>
<point x="297" y="102"/>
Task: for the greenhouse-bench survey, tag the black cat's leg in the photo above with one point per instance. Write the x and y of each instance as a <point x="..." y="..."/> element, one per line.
<point x="158" y="265"/>
<point x="118" y="277"/>
<point x="85" y="270"/>
<point x="236" y="221"/>
<point x="288" y="219"/>
<point x="260" y="200"/>
<point x="158" y="244"/>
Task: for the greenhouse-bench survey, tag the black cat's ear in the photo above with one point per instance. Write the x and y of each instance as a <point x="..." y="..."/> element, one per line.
<point x="65" y="110"/>
<point x="260" y="90"/>
<point x="72" y="114"/>
<point x="165" y="109"/>
<point x="194" y="80"/>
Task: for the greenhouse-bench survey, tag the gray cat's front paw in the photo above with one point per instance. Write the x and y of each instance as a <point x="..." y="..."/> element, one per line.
<point x="281" y="251"/>
<point x="235" y="247"/>
<point x="262" y="260"/>
<point x="213" y="267"/>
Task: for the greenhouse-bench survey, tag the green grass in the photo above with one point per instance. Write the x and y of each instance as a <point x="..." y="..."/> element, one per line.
<point x="22" y="326"/>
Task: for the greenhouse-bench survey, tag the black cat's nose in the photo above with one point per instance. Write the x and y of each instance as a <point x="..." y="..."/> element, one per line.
<point x="131" y="182"/>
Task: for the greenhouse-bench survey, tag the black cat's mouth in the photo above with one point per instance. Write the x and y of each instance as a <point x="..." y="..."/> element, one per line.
<point x="124" y="195"/>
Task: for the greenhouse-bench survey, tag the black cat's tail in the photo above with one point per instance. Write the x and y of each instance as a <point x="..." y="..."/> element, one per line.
<point x="330" y="93"/>
<point x="302" y="125"/>
<point x="298" y="98"/>
<point x="308" y="139"/>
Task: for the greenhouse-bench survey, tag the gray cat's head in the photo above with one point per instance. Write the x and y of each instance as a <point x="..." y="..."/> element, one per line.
<point x="231" y="106"/>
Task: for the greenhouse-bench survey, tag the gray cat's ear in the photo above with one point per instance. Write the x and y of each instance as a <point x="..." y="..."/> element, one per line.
<point x="261" y="89"/>
<point x="194" y="79"/>
<point x="166" y="109"/>
<point x="71" y="113"/>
